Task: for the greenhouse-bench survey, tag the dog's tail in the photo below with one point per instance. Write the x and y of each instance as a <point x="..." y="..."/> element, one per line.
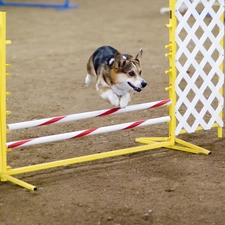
<point x="91" y="74"/>
<point x="89" y="78"/>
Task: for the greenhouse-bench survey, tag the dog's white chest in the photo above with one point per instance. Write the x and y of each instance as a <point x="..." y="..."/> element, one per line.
<point x="120" y="91"/>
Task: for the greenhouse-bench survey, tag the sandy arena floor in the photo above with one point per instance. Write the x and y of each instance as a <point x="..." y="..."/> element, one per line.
<point x="48" y="54"/>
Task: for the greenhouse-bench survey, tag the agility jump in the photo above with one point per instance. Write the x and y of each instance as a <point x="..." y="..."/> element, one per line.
<point x="182" y="109"/>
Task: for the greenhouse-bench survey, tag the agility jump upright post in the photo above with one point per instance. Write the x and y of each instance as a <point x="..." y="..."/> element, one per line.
<point x="195" y="101"/>
<point x="3" y="94"/>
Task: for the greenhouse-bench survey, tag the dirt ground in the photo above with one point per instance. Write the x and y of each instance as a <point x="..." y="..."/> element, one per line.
<point x="48" y="54"/>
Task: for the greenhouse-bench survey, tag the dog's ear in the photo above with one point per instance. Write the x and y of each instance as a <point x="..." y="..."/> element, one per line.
<point x="119" y="60"/>
<point x="139" y="55"/>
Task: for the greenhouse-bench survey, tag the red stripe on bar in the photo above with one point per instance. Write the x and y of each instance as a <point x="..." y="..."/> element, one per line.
<point x="86" y="132"/>
<point x="134" y="125"/>
<point x="18" y="143"/>
<point x="161" y="103"/>
<point x="54" y="120"/>
<point x="109" y="112"/>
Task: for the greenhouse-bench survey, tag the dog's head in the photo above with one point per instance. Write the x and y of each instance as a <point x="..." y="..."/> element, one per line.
<point x="126" y="72"/>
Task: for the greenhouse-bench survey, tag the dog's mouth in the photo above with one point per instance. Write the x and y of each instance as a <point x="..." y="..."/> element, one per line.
<point x="135" y="88"/>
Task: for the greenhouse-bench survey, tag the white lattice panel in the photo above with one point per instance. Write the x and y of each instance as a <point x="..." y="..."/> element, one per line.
<point x="199" y="56"/>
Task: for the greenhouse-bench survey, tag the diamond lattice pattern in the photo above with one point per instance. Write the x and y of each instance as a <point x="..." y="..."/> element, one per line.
<point x="199" y="59"/>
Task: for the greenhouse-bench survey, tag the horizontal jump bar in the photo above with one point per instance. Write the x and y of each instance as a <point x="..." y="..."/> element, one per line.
<point x="82" y="133"/>
<point x="86" y="115"/>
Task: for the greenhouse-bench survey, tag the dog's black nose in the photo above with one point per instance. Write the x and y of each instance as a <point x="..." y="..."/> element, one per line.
<point x="143" y="84"/>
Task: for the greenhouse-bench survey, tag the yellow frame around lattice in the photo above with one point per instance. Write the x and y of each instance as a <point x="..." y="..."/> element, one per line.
<point x="150" y="143"/>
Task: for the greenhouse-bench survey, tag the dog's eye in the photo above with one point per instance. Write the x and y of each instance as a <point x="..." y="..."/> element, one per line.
<point x="132" y="73"/>
<point x="140" y="72"/>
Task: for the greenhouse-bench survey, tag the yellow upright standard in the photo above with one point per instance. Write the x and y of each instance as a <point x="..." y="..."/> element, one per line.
<point x="3" y="153"/>
<point x="4" y="168"/>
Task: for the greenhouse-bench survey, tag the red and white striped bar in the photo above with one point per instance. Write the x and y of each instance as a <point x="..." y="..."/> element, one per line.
<point x="86" y="115"/>
<point x="82" y="133"/>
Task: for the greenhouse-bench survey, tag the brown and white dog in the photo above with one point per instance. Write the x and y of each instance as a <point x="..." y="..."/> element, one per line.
<point x="117" y="75"/>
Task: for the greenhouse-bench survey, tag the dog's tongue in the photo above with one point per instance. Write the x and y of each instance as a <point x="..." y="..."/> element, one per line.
<point x="135" y="88"/>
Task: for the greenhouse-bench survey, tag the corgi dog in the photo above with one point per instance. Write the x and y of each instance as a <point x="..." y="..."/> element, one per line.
<point x="117" y="75"/>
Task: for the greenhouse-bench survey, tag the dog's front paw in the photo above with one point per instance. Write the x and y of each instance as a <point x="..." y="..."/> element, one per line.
<point x="114" y="100"/>
<point x="110" y="96"/>
<point x="123" y="104"/>
<point x="124" y="100"/>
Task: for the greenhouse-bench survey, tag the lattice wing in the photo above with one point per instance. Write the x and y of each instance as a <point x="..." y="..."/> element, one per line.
<point x="199" y="58"/>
